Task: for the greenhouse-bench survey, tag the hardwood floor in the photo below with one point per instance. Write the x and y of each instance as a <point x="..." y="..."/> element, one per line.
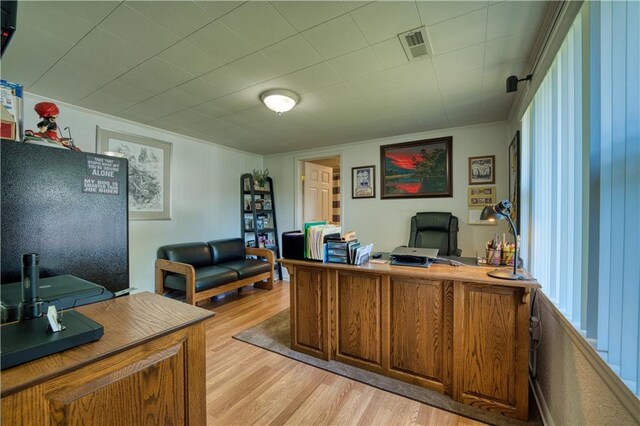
<point x="248" y="385"/>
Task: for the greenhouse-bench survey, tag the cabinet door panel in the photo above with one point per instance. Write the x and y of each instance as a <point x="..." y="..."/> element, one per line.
<point x="359" y="311"/>
<point x="493" y="365"/>
<point x="149" y="391"/>
<point x="308" y="297"/>
<point x="417" y="335"/>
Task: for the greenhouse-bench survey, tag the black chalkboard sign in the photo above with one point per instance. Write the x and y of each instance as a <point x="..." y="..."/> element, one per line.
<point x="70" y="208"/>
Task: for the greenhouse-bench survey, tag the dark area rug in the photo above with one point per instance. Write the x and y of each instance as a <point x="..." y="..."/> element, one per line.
<point x="273" y="335"/>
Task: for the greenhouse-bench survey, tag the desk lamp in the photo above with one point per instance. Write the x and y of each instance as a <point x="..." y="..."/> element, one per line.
<point x="502" y="210"/>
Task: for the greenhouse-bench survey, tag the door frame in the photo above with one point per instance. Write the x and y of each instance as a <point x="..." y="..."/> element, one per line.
<point x="298" y="170"/>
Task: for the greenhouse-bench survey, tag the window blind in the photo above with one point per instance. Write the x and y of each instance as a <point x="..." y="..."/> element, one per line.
<point x="552" y="137"/>
<point x="617" y="157"/>
<point x="581" y="189"/>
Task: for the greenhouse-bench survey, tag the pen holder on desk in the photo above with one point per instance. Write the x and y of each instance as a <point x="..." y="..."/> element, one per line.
<point x="508" y="257"/>
<point x="494" y="257"/>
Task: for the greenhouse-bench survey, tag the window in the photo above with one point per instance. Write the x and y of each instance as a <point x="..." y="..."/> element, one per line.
<point x="581" y="182"/>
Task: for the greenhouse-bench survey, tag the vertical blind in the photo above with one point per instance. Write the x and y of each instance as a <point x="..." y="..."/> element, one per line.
<point x="618" y="143"/>
<point x="552" y="139"/>
<point x="581" y="188"/>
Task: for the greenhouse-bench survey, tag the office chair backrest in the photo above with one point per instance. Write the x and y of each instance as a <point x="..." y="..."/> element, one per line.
<point x="435" y="230"/>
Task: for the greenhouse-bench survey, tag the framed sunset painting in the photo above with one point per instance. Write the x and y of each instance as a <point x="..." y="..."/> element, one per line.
<point x="420" y="169"/>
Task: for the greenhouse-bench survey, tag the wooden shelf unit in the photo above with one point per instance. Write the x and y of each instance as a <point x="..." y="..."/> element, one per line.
<point x="258" y="225"/>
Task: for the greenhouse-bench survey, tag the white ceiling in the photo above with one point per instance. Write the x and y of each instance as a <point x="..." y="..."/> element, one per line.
<point x="198" y="67"/>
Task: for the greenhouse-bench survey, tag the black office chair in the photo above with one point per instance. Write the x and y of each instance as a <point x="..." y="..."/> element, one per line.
<point x="435" y="230"/>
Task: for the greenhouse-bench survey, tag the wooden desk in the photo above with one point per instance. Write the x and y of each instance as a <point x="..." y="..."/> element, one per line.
<point x="148" y="368"/>
<point x="452" y="329"/>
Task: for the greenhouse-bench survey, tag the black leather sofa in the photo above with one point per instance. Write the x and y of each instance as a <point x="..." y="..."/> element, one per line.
<point x="203" y="270"/>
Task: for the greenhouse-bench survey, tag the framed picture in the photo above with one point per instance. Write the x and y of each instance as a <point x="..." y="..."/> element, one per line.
<point x="420" y="169"/>
<point x="480" y="196"/>
<point x="149" y="171"/>
<point x="266" y="204"/>
<point x="514" y="179"/>
<point x="482" y="170"/>
<point x="248" y="224"/>
<point x="364" y="182"/>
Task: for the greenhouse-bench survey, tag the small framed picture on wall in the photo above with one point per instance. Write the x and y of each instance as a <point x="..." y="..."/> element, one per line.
<point x="364" y="181"/>
<point x="482" y="170"/>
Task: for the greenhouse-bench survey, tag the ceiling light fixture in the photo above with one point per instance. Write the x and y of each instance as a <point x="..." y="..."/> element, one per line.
<point x="280" y="100"/>
<point x="512" y="82"/>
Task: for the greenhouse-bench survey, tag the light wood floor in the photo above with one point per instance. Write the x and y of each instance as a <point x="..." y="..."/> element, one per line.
<point x="248" y="385"/>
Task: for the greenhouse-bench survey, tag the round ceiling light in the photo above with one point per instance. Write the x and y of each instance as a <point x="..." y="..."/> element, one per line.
<point x="280" y="100"/>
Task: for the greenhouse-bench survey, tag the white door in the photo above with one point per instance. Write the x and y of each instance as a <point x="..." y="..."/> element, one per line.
<point x="318" y="187"/>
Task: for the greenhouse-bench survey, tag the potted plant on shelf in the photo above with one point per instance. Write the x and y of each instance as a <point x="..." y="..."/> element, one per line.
<point x="260" y="179"/>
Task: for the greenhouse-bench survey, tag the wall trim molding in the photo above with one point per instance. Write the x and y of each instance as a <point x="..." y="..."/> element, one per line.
<point x="627" y="399"/>
<point x="545" y="414"/>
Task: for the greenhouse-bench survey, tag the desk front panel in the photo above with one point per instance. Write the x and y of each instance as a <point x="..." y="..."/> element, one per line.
<point x="464" y="338"/>
<point x="309" y="316"/>
<point x="420" y="321"/>
<point x="359" y="319"/>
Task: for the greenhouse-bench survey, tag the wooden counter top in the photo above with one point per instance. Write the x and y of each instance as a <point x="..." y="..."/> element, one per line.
<point x="437" y="271"/>
<point x="128" y="321"/>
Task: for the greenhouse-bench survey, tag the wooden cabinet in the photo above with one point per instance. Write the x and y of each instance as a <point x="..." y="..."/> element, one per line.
<point x="492" y="341"/>
<point x="420" y="345"/>
<point x="148" y="368"/>
<point x="309" y="315"/>
<point x="359" y="319"/>
<point x="456" y="331"/>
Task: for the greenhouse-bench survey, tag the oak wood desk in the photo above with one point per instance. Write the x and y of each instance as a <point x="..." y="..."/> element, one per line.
<point x="148" y="368"/>
<point x="452" y="329"/>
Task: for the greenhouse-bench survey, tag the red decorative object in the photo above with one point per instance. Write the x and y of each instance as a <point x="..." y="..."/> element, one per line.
<point x="48" y="128"/>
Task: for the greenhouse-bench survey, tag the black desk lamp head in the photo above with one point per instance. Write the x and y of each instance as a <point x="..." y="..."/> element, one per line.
<point x="502" y="210"/>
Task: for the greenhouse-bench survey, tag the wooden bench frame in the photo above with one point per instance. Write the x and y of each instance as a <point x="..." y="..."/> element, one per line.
<point x="163" y="265"/>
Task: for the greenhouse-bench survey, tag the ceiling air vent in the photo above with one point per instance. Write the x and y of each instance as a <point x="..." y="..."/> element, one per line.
<point x="416" y="44"/>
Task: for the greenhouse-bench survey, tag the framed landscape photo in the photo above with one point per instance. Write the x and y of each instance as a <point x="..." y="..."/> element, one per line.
<point x="364" y="182"/>
<point x="420" y="169"/>
<point x="514" y="179"/>
<point x="149" y="171"/>
<point x="482" y="170"/>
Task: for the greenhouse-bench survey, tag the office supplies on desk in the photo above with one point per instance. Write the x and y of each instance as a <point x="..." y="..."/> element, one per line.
<point x="293" y="245"/>
<point x="362" y="254"/>
<point x="24" y="341"/>
<point x="340" y="251"/>
<point x="413" y="256"/>
<point x="63" y="291"/>
<point x="316" y="235"/>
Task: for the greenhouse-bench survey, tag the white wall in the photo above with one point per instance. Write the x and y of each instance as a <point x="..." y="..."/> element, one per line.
<point x="385" y="223"/>
<point x="205" y="185"/>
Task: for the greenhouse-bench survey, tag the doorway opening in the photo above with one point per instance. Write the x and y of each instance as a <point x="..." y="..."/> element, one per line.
<point x="319" y="195"/>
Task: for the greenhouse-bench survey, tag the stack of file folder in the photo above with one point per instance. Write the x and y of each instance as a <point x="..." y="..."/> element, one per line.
<point x="341" y="251"/>
<point x="347" y="250"/>
<point x="315" y="236"/>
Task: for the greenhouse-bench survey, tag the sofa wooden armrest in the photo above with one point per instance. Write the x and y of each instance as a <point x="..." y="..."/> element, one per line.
<point x="254" y="251"/>
<point x="163" y="265"/>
